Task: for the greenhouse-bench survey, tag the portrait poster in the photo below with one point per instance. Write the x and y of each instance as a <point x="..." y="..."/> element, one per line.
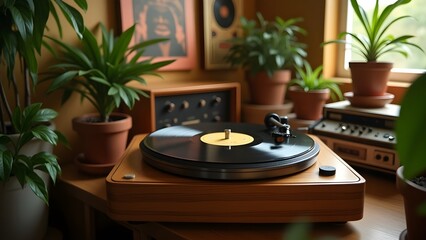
<point x="221" y="23"/>
<point x="171" y="19"/>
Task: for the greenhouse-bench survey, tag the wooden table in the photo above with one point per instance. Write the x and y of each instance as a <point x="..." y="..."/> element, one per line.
<point x="383" y="214"/>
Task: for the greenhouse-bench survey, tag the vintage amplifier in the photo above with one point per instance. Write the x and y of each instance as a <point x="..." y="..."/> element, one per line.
<point x="361" y="136"/>
<point x="170" y="104"/>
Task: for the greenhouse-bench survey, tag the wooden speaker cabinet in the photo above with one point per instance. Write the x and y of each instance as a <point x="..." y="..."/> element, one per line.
<point x="172" y="104"/>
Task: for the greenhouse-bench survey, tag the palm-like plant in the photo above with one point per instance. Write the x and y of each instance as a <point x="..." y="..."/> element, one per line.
<point x="22" y="28"/>
<point x="374" y="42"/>
<point x="99" y="72"/>
<point x="309" y="79"/>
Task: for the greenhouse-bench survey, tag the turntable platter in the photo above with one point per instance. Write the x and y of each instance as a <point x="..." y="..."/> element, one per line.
<point x="247" y="151"/>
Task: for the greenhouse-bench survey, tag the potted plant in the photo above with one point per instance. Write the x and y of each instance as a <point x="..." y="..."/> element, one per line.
<point x="26" y="163"/>
<point x="370" y="78"/>
<point x="25" y="169"/>
<point x="99" y="72"/>
<point x="267" y="51"/>
<point x="309" y="91"/>
<point x="411" y="176"/>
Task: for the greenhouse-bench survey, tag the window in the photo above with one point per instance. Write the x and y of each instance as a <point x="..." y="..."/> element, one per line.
<point x="405" y="69"/>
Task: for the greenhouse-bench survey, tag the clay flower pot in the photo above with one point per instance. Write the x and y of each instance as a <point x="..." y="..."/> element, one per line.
<point x="308" y="105"/>
<point x="370" y="78"/>
<point x="414" y="195"/>
<point x="265" y="90"/>
<point x="103" y="142"/>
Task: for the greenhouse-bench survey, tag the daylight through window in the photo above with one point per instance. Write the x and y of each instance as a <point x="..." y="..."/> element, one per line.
<point x="405" y="69"/>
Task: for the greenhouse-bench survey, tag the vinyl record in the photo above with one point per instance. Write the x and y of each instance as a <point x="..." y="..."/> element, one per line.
<point x="181" y="150"/>
<point x="224" y="12"/>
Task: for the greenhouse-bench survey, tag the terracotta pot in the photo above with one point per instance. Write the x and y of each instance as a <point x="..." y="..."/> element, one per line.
<point x="103" y="142"/>
<point x="414" y="195"/>
<point x="370" y="78"/>
<point x="265" y="90"/>
<point x="308" y="105"/>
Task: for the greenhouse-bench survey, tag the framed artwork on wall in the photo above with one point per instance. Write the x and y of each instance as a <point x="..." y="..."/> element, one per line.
<point x="221" y="21"/>
<point x="172" y="19"/>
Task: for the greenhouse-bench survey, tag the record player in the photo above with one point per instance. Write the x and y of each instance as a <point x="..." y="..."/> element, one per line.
<point x="233" y="172"/>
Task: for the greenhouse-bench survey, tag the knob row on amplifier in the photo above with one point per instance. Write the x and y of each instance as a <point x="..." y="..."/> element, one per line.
<point x="188" y="103"/>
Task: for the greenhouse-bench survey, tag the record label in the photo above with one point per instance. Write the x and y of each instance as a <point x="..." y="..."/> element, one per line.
<point x="221" y="139"/>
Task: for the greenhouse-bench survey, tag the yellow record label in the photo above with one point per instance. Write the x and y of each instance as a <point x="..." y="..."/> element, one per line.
<point x="233" y="139"/>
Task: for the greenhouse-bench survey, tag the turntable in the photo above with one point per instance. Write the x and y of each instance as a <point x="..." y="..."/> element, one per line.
<point x="233" y="172"/>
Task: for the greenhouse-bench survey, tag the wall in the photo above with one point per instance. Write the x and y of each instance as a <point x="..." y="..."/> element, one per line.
<point x="107" y="13"/>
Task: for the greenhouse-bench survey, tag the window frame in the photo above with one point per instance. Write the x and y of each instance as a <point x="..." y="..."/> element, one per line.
<point x="342" y="71"/>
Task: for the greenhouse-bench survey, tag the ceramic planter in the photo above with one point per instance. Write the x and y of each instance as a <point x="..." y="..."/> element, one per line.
<point x="23" y="215"/>
<point x="370" y="78"/>
<point x="265" y="90"/>
<point x="414" y="195"/>
<point x="103" y="142"/>
<point x="308" y="105"/>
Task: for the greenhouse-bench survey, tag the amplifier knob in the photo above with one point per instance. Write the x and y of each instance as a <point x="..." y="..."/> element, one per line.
<point x="217" y="100"/>
<point x="217" y="118"/>
<point x="170" y="107"/>
<point x="202" y="103"/>
<point x="185" y="104"/>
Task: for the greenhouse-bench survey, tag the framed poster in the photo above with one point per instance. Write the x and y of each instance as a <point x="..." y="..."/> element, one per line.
<point x="172" y="19"/>
<point x="221" y="23"/>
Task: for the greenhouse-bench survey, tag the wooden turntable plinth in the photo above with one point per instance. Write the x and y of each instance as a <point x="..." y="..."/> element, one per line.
<point x="139" y="192"/>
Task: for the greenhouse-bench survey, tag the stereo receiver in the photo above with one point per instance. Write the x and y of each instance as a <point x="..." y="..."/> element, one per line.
<point x="361" y="136"/>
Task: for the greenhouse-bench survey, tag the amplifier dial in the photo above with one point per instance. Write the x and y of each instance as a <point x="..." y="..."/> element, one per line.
<point x="170" y="107"/>
<point x="185" y="104"/>
<point x="202" y="103"/>
<point x="217" y="100"/>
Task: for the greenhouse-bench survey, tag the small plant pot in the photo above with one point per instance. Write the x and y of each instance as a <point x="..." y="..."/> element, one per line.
<point x="308" y="105"/>
<point x="370" y="78"/>
<point x="414" y="195"/>
<point x="103" y="142"/>
<point x="265" y="90"/>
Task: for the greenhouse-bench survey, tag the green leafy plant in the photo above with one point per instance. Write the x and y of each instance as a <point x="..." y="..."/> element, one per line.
<point x="30" y="123"/>
<point x="267" y="46"/>
<point x="308" y="80"/>
<point x="374" y="42"/>
<point x="23" y="24"/>
<point x="409" y="125"/>
<point x="99" y="72"/>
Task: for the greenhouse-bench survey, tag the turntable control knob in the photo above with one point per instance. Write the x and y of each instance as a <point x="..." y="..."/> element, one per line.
<point x="185" y="104"/>
<point x="170" y="107"/>
<point x="343" y="128"/>
<point x="217" y="100"/>
<point x="202" y="103"/>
